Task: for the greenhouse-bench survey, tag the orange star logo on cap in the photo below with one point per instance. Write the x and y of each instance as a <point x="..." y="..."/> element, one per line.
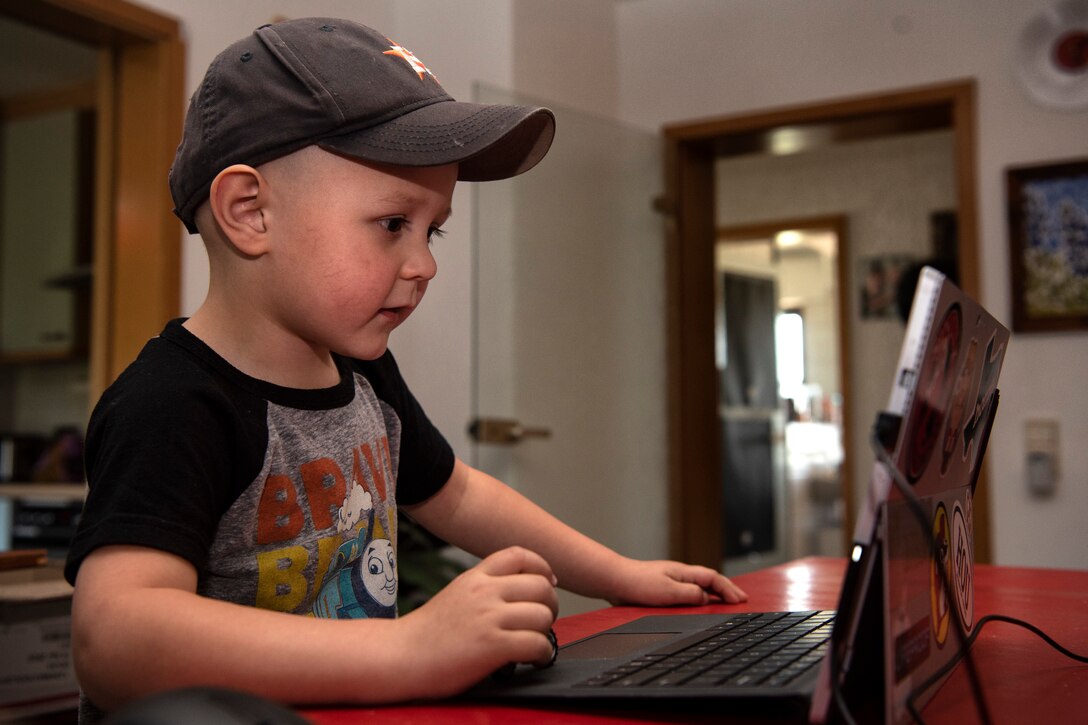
<point x="409" y="56"/>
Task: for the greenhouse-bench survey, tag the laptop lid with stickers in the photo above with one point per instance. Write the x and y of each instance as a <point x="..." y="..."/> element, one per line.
<point x="908" y="602"/>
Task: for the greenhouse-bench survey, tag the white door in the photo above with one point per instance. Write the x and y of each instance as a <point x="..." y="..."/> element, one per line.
<point x="569" y="325"/>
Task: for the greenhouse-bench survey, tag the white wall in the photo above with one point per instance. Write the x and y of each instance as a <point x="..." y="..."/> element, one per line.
<point x="674" y="60"/>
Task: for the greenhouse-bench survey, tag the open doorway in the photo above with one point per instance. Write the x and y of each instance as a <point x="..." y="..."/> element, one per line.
<point x="692" y="153"/>
<point x="780" y="350"/>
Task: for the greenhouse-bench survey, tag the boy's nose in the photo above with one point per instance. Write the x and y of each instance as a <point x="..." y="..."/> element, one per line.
<point x="421" y="264"/>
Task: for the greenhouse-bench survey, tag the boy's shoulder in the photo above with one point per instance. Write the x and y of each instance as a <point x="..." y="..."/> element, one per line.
<point x="168" y="363"/>
<point x="166" y="382"/>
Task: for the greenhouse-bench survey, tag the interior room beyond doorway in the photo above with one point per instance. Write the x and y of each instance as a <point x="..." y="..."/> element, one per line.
<point x="778" y="350"/>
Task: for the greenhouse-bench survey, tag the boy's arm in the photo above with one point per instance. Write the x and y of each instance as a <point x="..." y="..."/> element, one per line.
<point x="481" y="514"/>
<point x="138" y="627"/>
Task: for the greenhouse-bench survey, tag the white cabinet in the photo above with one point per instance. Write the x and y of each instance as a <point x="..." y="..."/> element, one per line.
<point x="44" y="233"/>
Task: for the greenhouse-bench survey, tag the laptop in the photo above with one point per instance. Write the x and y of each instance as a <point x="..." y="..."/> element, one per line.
<point x="907" y="597"/>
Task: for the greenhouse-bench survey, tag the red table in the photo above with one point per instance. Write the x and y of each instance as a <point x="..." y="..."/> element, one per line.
<point x="1022" y="678"/>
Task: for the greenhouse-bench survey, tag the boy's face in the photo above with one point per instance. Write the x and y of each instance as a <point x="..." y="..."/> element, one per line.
<point x="351" y="247"/>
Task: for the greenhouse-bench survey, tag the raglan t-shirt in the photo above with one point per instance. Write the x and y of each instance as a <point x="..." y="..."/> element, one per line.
<point x="281" y="498"/>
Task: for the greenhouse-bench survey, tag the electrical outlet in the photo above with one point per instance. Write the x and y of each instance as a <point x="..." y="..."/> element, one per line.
<point x="1041" y="456"/>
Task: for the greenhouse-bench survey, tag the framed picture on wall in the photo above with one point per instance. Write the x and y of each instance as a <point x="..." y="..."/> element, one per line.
<point x="1048" y="240"/>
<point x="879" y="281"/>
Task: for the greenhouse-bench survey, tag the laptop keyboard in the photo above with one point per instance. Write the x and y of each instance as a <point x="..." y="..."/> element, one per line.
<point x="758" y="649"/>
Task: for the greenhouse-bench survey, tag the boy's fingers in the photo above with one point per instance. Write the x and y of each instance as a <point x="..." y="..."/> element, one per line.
<point x="517" y="560"/>
<point x="717" y="584"/>
<point x="527" y="617"/>
<point x="526" y="577"/>
<point x="727" y="590"/>
<point x="537" y="648"/>
<point x="530" y="588"/>
<point x="732" y="594"/>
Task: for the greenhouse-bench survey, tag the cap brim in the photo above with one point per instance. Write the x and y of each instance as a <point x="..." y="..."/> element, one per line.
<point x="487" y="141"/>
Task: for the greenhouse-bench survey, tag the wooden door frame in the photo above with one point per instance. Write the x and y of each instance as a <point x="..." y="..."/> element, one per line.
<point x="688" y="203"/>
<point x="137" y="275"/>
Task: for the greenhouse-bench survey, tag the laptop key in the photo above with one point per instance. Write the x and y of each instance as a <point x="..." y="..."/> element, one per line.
<point x="675" y="648"/>
<point x="634" y="680"/>
<point x="671" y="679"/>
<point x="744" y="679"/>
<point x="702" y="681"/>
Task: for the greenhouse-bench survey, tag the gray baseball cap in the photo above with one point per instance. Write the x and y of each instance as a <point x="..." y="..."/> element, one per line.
<point x="347" y="89"/>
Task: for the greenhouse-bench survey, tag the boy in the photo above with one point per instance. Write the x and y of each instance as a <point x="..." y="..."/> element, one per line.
<point x="257" y="453"/>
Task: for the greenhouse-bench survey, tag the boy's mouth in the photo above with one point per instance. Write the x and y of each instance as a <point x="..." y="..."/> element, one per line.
<point x="399" y="313"/>
<point x="396" y="313"/>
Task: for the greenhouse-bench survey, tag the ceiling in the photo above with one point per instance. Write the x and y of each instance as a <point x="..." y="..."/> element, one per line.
<point x="32" y="60"/>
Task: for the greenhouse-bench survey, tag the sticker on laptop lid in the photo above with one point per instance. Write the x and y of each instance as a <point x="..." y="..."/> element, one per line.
<point x="963" y="560"/>
<point x="939" y="607"/>
<point x="934" y="387"/>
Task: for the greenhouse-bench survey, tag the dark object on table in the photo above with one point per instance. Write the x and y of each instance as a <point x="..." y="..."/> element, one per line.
<point x="207" y="706"/>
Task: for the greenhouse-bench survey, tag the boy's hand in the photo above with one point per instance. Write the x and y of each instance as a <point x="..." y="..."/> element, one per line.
<point x="670" y="583"/>
<point x="498" y="612"/>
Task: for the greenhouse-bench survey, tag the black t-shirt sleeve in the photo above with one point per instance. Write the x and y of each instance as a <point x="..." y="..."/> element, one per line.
<point x="426" y="458"/>
<point x="159" y="479"/>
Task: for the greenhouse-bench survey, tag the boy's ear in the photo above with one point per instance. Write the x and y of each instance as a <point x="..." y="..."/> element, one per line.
<point x="237" y="199"/>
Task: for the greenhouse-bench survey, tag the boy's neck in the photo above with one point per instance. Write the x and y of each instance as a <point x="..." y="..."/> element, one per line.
<point x="290" y="363"/>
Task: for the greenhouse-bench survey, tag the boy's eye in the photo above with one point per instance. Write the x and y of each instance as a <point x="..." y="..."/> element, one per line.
<point x="394" y="225"/>
<point x="399" y="225"/>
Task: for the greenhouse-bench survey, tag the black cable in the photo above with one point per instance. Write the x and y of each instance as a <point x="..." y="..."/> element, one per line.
<point x="966" y="642"/>
<point x="844" y="709"/>
<point x="932" y="679"/>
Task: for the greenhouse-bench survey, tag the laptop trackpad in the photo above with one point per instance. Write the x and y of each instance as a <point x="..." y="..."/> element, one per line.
<point x="605" y="646"/>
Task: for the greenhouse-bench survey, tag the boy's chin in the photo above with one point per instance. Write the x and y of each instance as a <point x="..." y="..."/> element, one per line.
<point x="366" y="350"/>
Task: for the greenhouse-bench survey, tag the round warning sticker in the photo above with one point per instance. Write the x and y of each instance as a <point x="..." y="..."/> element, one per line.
<point x="963" y="566"/>
<point x="939" y="608"/>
